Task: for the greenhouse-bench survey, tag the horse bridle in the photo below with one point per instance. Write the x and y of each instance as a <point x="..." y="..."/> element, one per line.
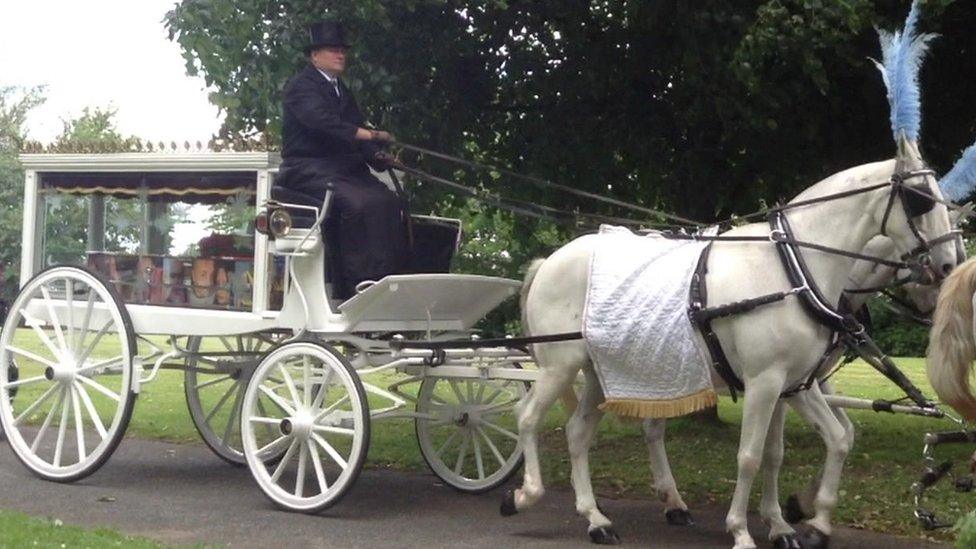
<point x="917" y="200"/>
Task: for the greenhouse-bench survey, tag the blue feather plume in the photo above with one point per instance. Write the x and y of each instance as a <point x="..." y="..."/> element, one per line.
<point x="960" y="182"/>
<point x="902" y="53"/>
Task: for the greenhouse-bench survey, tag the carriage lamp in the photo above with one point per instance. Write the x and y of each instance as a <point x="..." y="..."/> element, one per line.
<point x="279" y="223"/>
<point x="261" y="223"/>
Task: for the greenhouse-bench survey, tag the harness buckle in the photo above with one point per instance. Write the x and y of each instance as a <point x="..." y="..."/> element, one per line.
<point x="777" y="236"/>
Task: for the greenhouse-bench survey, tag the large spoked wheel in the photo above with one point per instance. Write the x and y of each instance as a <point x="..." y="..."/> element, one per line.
<point x="217" y="373"/>
<point x="468" y="432"/>
<point x="306" y="399"/>
<point x="67" y="385"/>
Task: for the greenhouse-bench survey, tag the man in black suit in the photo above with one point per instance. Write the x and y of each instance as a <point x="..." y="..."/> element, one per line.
<point x="325" y="142"/>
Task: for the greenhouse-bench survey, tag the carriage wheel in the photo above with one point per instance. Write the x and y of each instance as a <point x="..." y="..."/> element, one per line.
<point x="217" y="373"/>
<point x="67" y="383"/>
<point x="468" y="431"/>
<point x="314" y="402"/>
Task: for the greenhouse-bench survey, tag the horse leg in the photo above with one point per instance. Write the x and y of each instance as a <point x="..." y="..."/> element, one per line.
<point x="580" y="431"/>
<point x="759" y="402"/>
<point x="675" y="510"/>
<point x="780" y="532"/>
<point x="813" y="408"/>
<point x="800" y="506"/>
<point x="553" y="381"/>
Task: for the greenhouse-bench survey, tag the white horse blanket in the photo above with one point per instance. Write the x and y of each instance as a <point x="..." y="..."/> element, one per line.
<point x="646" y="352"/>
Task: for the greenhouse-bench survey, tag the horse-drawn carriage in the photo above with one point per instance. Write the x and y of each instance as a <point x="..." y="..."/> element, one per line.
<point x="277" y="375"/>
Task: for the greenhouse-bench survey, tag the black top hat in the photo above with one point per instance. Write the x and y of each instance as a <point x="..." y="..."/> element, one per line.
<point x="324" y="34"/>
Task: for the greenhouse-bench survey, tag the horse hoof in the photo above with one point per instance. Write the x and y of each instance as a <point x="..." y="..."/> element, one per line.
<point x="793" y="512"/>
<point x="604" y="535"/>
<point x="814" y="539"/>
<point x="508" y="504"/>
<point x="787" y="541"/>
<point x="679" y="517"/>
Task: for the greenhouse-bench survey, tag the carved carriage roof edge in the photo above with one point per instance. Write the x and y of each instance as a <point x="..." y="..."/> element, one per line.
<point x="150" y="161"/>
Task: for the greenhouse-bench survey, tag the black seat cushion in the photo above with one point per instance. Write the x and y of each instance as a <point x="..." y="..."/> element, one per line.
<point x="301" y="218"/>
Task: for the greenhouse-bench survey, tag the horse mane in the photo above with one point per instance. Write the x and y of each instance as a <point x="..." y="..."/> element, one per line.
<point x="902" y="53"/>
<point x="952" y="346"/>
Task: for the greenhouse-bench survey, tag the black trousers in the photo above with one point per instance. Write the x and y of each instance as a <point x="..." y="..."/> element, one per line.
<point x="366" y="229"/>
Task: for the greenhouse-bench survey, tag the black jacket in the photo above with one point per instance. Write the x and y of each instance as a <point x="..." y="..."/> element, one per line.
<point x="320" y="126"/>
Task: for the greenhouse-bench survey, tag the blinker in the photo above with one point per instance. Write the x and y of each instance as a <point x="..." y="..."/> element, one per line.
<point x="917" y="199"/>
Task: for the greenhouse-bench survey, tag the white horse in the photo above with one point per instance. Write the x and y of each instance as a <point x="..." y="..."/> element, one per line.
<point x="772" y="349"/>
<point x="865" y="275"/>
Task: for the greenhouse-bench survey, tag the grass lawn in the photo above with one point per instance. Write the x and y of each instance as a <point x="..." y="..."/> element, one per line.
<point x="874" y="494"/>
<point x="20" y="530"/>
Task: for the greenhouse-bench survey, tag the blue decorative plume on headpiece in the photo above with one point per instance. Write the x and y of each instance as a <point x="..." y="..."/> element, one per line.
<point x="960" y="182"/>
<point x="902" y="53"/>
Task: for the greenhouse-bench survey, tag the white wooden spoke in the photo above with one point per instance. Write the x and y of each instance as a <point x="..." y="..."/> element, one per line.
<point x="92" y="412"/>
<point x="79" y="425"/>
<point x="205" y="384"/>
<point x="300" y="477"/>
<point x="98" y="337"/>
<point x="55" y="321"/>
<point x="264" y="420"/>
<point x="284" y="461"/>
<point x="37" y="404"/>
<point x="481" y="393"/>
<point x="220" y="403"/>
<point x="457" y="392"/>
<point x="86" y="321"/>
<point x="35" y="325"/>
<point x="115" y="360"/>
<point x="464" y="452"/>
<point x="329" y="449"/>
<point x="306" y="388"/>
<point x="69" y="297"/>
<point x="240" y="343"/>
<point x="437" y="400"/>
<point x="99" y="387"/>
<point x="25" y="381"/>
<point x="323" y="388"/>
<point x="491" y="445"/>
<point x="61" y="428"/>
<point x="275" y="444"/>
<point x="500" y="408"/>
<point x="228" y="346"/>
<point x="30" y="355"/>
<point x="334" y="430"/>
<point x="477" y="456"/>
<point x="332" y="407"/>
<point x="261" y="409"/>
<point x="234" y="411"/>
<point x="447" y="442"/>
<point x="47" y="422"/>
<point x="282" y="403"/>
<point x="317" y="465"/>
<point x="290" y="383"/>
<point x="469" y="389"/>
<point x="501" y="430"/>
<point x="498" y="391"/>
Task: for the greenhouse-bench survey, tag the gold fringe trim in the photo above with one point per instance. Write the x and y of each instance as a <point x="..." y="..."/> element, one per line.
<point x="641" y="409"/>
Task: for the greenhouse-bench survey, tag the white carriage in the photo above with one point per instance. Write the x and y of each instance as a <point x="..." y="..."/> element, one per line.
<point x="276" y="374"/>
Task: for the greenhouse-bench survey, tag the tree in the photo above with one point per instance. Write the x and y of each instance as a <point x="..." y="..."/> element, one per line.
<point x="704" y="108"/>
<point x="15" y="104"/>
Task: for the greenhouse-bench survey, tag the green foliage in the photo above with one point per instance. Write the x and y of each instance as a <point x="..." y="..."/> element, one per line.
<point x="894" y="334"/>
<point x="965" y="530"/>
<point x="15" y="104"/>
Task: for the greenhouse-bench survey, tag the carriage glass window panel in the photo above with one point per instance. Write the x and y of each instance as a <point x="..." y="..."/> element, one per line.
<point x="172" y="239"/>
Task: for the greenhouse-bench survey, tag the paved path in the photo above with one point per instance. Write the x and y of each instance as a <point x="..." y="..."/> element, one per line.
<point x="183" y="494"/>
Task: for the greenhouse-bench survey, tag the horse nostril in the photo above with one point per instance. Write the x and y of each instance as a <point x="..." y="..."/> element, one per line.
<point x="947" y="268"/>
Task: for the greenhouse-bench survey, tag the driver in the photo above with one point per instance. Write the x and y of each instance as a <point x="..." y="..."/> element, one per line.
<point x="325" y="141"/>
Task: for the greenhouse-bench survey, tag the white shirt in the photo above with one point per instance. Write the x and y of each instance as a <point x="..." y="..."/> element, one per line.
<point x="332" y="80"/>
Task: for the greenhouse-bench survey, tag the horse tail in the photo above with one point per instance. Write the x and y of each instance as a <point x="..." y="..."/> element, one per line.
<point x="952" y="347"/>
<point x="530" y="272"/>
